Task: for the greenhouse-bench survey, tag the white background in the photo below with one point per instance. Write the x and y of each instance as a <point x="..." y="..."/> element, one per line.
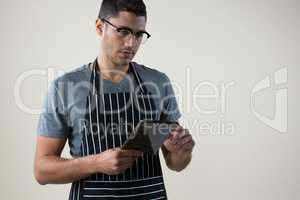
<point x="215" y="41"/>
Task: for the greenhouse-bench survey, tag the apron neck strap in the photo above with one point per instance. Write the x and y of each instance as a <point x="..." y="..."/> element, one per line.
<point x="95" y="78"/>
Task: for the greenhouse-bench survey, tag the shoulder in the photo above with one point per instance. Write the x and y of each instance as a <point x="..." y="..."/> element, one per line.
<point x="70" y="84"/>
<point x="150" y="74"/>
<point x="75" y="75"/>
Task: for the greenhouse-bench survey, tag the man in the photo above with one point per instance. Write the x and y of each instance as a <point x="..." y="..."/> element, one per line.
<point x="91" y="105"/>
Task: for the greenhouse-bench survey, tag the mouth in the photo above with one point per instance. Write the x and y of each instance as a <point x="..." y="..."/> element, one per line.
<point x="126" y="53"/>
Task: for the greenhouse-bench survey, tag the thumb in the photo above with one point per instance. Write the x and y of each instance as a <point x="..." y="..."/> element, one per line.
<point x="167" y="141"/>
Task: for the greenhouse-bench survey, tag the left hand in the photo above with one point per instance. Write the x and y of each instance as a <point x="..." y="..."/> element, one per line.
<point x="180" y="141"/>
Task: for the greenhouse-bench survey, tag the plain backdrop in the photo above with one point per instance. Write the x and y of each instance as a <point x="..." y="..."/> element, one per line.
<point x="215" y="42"/>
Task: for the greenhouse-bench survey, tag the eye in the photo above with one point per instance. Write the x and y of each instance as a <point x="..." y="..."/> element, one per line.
<point x="140" y="34"/>
<point x="124" y="31"/>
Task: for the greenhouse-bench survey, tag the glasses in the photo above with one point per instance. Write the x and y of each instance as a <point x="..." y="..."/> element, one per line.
<point x="141" y="36"/>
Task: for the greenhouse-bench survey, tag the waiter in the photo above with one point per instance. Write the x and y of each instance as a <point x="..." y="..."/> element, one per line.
<point x="95" y="106"/>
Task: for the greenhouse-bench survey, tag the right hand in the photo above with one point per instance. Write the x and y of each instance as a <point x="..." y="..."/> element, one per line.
<point x="115" y="161"/>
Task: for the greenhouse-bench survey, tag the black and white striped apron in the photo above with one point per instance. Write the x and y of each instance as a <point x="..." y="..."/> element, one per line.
<point x="144" y="180"/>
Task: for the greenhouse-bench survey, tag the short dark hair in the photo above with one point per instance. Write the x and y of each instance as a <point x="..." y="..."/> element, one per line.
<point x="111" y="8"/>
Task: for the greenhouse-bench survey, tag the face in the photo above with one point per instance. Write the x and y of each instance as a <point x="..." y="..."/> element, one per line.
<point x="116" y="49"/>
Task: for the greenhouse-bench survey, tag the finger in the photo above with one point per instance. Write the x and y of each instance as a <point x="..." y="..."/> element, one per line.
<point x="130" y="153"/>
<point x="176" y="128"/>
<point x="126" y="165"/>
<point x="174" y="134"/>
<point x="167" y="142"/>
<point x="184" y="139"/>
<point x="178" y="137"/>
<point x="184" y="133"/>
<point x="125" y="161"/>
<point x="188" y="146"/>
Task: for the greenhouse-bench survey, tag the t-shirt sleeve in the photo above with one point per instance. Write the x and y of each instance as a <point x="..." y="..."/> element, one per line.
<point x="52" y="120"/>
<point x="170" y="109"/>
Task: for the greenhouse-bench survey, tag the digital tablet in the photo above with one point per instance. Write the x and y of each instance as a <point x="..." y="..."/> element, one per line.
<point x="149" y="135"/>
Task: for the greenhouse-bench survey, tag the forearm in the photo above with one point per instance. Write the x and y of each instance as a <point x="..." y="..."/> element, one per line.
<point x="57" y="170"/>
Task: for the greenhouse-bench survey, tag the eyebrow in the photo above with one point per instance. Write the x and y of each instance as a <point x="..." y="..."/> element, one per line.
<point x="138" y="31"/>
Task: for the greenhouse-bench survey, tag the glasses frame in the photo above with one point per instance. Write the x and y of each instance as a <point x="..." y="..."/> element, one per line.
<point x="132" y="32"/>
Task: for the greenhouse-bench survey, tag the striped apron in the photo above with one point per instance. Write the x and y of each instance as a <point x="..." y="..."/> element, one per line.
<point x="109" y="119"/>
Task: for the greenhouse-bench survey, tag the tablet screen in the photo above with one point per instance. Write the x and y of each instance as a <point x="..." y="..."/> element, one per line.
<point x="149" y="135"/>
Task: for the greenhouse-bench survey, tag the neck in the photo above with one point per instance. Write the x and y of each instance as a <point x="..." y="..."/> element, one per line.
<point x="111" y="71"/>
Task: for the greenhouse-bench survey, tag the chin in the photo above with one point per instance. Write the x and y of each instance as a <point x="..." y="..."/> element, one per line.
<point x="124" y="61"/>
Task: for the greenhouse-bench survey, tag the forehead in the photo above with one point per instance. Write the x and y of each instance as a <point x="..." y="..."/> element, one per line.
<point x="130" y="20"/>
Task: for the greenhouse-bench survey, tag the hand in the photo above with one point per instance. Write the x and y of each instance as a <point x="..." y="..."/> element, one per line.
<point x="115" y="161"/>
<point x="180" y="142"/>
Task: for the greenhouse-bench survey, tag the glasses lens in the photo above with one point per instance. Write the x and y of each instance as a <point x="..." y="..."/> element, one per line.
<point x="140" y="36"/>
<point x="124" y="32"/>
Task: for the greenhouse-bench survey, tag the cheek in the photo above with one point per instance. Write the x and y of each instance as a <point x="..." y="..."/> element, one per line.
<point x="111" y="45"/>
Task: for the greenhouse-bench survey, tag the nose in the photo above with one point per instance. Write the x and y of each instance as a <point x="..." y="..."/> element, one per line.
<point x="130" y="41"/>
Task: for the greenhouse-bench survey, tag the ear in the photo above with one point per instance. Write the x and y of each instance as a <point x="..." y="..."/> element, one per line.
<point x="99" y="26"/>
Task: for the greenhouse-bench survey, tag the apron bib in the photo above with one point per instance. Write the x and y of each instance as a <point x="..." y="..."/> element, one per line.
<point x="109" y="119"/>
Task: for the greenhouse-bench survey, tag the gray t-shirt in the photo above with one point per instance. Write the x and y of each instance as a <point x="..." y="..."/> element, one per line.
<point x="65" y="102"/>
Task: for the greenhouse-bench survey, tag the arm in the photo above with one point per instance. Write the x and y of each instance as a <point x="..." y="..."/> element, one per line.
<point x="178" y="156"/>
<point x="50" y="167"/>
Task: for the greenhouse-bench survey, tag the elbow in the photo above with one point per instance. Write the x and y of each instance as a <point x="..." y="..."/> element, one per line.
<point x="39" y="175"/>
<point x="40" y="181"/>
